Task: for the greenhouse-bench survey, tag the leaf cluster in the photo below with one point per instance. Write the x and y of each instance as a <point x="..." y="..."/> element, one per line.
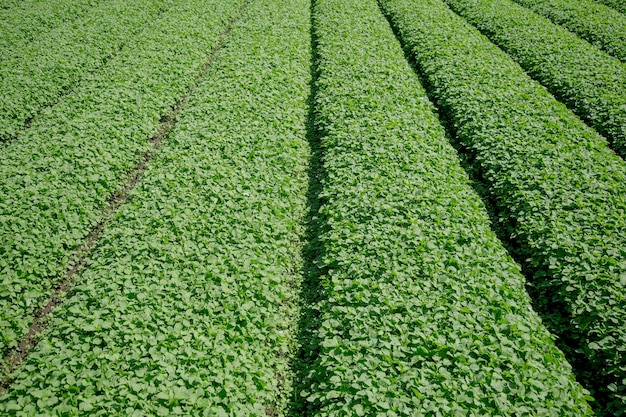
<point x="598" y="24"/>
<point x="587" y="80"/>
<point x="423" y="312"/>
<point x="618" y="5"/>
<point x="22" y="22"/>
<point x="557" y="187"/>
<point x="43" y="71"/>
<point x="57" y="179"/>
<point x="190" y="300"/>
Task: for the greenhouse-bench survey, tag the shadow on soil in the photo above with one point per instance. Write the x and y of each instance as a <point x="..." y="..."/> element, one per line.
<point x="311" y="291"/>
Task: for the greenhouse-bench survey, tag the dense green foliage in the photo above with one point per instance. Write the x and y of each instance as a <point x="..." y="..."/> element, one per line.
<point x="587" y="80"/>
<point x="559" y="190"/>
<point x="56" y="180"/>
<point x="38" y="74"/>
<point x="422" y="312"/>
<point x="22" y="21"/>
<point x="301" y="237"/>
<point x="594" y="22"/>
<point x="8" y="4"/>
<point x="190" y="302"/>
<point x="619" y="5"/>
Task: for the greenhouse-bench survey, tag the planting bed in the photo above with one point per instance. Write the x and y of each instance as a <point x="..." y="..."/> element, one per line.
<point x="312" y="208"/>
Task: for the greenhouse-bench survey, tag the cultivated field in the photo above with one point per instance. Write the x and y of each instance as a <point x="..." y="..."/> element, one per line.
<point x="313" y="208"/>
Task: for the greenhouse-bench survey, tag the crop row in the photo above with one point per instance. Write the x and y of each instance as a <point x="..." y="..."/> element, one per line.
<point x="190" y="302"/>
<point x="619" y="5"/>
<point x="594" y="22"/>
<point x="590" y="82"/>
<point x="422" y="311"/>
<point x="38" y="74"/>
<point x="559" y="190"/>
<point x="21" y="22"/>
<point x="56" y="180"/>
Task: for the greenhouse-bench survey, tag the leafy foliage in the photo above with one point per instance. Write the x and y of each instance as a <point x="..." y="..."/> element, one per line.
<point x="615" y="4"/>
<point x="594" y="22"/>
<point x="56" y="181"/>
<point x="190" y="301"/>
<point x="38" y="74"/>
<point x="587" y="80"/>
<point x="422" y="311"/>
<point x="558" y="188"/>
<point x="23" y="21"/>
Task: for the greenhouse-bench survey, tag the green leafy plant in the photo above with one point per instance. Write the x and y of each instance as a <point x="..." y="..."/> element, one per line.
<point x="189" y="303"/>
<point x="43" y="71"/>
<point x="22" y="22"/>
<point x="615" y="4"/>
<point x="598" y="24"/>
<point x="558" y="188"/>
<point x="590" y="82"/>
<point x="422" y="312"/>
<point x="57" y="179"/>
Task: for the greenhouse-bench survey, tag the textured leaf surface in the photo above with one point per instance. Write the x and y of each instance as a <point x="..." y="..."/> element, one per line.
<point x="23" y="21"/>
<point x="619" y="5"/>
<point x="190" y="301"/>
<point x="38" y="74"/>
<point x="596" y="23"/>
<point x="557" y="186"/>
<point x="422" y="311"/>
<point x="57" y="179"/>
<point x="587" y="80"/>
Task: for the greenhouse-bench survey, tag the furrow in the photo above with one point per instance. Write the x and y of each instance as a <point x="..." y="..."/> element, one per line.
<point x="596" y="23"/>
<point x="588" y="81"/>
<point x="14" y="358"/>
